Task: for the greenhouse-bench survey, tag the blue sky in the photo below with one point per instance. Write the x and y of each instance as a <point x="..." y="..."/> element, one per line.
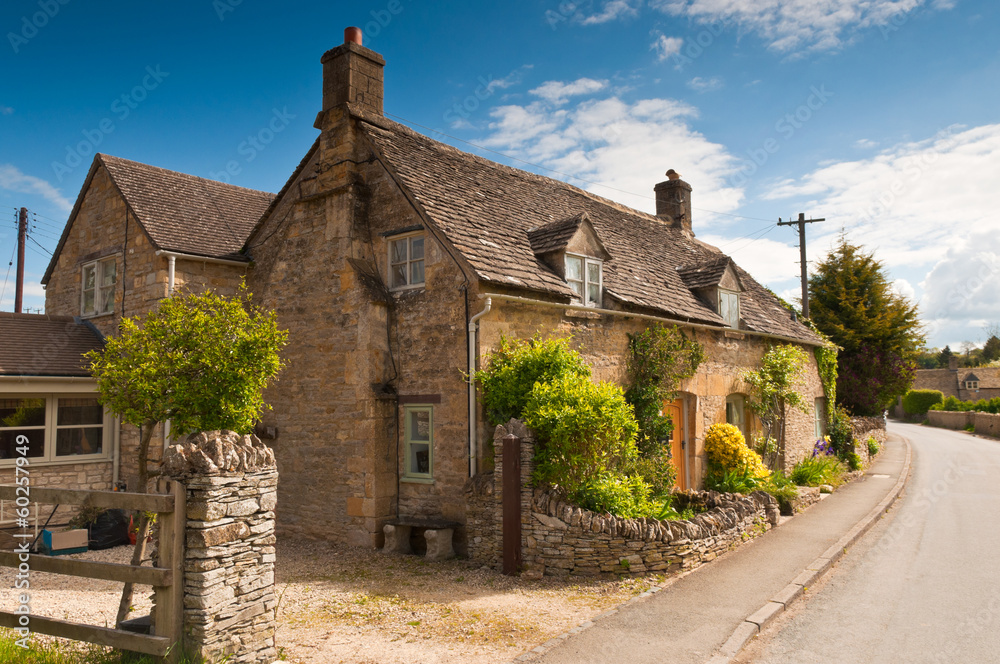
<point x="880" y="116"/>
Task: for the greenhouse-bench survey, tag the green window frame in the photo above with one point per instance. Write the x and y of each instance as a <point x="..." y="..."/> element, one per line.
<point x="418" y="447"/>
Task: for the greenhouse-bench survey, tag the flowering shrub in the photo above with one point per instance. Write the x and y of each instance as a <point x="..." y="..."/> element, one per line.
<point x="727" y="450"/>
<point x="823" y="447"/>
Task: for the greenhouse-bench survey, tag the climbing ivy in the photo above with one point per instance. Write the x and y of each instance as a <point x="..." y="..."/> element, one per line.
<point x="826" y="360"/>
<point x="660" y="357"/>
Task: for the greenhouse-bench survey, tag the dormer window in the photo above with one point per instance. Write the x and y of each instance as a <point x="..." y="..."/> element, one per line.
<point x="584" y="275"/>
<point x="972" y="384"/>
<point x="406" y="261"/>
<point x="729" y="307"/>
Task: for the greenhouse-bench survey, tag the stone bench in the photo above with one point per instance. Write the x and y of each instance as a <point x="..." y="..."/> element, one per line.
<point x="437" y="533"/>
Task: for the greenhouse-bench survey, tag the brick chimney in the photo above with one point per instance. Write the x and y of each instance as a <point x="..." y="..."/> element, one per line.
<point x="673" y="202"/>
<point x="352" y="74"/>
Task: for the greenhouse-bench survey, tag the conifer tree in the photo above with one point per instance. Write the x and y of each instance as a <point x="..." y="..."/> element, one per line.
<point x="851" y="301"/>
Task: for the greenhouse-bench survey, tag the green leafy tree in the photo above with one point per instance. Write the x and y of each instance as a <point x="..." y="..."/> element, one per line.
<point x="772" y="389"/>
<point x="852" y="301"/>
<point x="991" y="349"/>
<point x="201" y="361"/>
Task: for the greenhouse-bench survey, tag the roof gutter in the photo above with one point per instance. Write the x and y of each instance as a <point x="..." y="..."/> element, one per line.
<point x="659" y="319"/>
<point x="202" y="259"/>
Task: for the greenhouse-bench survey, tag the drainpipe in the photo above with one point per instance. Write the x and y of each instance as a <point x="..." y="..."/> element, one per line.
<point x="171" y="264"/>
<point x="473" y="427"/>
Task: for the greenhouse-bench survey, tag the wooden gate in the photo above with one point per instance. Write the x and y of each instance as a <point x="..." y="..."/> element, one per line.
<point x="167" y="579"/>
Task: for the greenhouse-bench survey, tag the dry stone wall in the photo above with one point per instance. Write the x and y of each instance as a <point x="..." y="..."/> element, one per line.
<point x="229" y="599"/>
<point x="559" y="538"/>
<point x="987" y="424"/>
<point x="863" y="428"/>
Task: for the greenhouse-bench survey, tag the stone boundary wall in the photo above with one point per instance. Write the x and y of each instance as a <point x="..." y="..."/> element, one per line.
<point x="861" y="429"/>
<point x="987" y="424"/>
<point x="229" y="600"/>
<point x="559" y="539"/>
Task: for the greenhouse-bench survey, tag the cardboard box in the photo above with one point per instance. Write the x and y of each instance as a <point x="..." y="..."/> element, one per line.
<point x="66" y="541"/>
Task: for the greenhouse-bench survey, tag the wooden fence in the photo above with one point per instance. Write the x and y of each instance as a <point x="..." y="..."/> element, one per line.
<point x="167" y="579"/>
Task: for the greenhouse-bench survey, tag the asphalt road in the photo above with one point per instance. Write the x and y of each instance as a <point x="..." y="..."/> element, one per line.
<point x="924" y="584"/>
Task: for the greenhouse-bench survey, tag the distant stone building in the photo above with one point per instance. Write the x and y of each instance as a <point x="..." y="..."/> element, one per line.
<point x="964" y="384"/>
<point x="396" y="263"/>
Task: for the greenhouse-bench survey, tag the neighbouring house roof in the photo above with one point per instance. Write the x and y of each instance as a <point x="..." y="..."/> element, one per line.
<point x="493" y="214"/>
<point x="42" y="345"/>
<point x="179" y="212"/>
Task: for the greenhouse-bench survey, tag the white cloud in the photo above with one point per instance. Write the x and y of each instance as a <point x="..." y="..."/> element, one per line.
<point x="800" y="24"/>
<point x="767" y="260"/>
<point x="666" y="47"/>
<point x="12" y="179"/>
<point x="865" y="144"/>
<point x="558" y="92"/>
<point x="613" y="10"/>
<point x="699" y="84"/>
<point x="34" y="294"/>
<point x="928" y="210"/>
<point x="626" y="146"/>
<point x="903" y="288"/>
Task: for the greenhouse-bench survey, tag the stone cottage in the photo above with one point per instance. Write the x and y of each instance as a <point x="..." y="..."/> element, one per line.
<point x="135" y="234"/>
<point x="964" y="384"/>
<point x="396" y="263"/>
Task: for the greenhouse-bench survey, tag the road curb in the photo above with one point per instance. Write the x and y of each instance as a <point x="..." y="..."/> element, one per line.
<point x="758" y="620"/>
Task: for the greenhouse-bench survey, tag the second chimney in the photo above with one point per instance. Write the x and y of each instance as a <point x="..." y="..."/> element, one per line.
<point x="673" y="202"/>
<point x="353" y="74"/>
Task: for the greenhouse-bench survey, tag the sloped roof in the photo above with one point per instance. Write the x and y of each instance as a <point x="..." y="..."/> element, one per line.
<point x="554" y="236"/>
<point x="486" y="210"/>
<point x="706" y="274"/>
<point x="971" y="377"/>
<point x="42" y="345"/>
<point x="179" y="212"/>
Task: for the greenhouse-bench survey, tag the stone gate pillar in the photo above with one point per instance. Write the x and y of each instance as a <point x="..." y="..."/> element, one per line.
<point x="229" y="600"/>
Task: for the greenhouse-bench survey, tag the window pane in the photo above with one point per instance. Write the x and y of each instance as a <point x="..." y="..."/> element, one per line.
<point x="593" y="293"/>
<point x="107" y="300"/>
<point x="8" y="442"/>
<point x="593" y="272"/>
<point x="108" y="273"/>
<point x="577" y="287"/>
<point x="420" y="458"/>
<point x="574" y="268"/>
<point x="398" y="251"/>
<point x="399" y="275"/>
<point x="88" y="302"/>
<point x="80" y="411"/>
<point x="89" y="277"/>
<point x="417" y="272"/>
<point x="416" y="248"/>
<point x="22" y="412"/>
<point x="71" y="442"/>
<point x="420" y="425"/>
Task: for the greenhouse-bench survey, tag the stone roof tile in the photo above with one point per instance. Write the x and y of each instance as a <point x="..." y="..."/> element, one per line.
<point x="42" y="345"/>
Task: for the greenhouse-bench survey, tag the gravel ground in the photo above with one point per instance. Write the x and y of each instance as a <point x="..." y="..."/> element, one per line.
<point x="353" y="605"/>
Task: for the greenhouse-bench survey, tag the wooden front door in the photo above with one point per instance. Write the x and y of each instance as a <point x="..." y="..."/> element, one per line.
<point x="678" y="451"/>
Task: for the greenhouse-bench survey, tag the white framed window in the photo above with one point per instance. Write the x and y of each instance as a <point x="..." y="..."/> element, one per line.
<point x="972" y="385"/>
<point x="58" y="427"/>
<point x="418" y="448"/>
<point x="406" y="261"/>
<point x="729" y="308"/>
<point x="820" y="417"/>
<point x="585" y="276"/>
<point x="97" y="296"/>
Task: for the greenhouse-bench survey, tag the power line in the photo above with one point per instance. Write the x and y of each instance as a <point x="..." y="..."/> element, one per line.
<point x="10" y="263"/>
<point x="552" y="170"/>
<point x="40" y="246"/>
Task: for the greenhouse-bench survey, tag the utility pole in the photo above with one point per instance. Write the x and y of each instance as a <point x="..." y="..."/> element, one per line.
<point x="22" y="232"/>
<point x="801" y="223"/>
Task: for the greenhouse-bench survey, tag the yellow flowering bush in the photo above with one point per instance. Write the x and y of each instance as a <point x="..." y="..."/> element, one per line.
<point x="727" y="449"/>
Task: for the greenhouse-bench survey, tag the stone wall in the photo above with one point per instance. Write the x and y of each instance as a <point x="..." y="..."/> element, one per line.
<point x="864" y="427"/>
<point x="987" y="424"/>
<point x="560" y="539"/>
<point x="229" y="600"/>
<point x="89" y="475"/>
